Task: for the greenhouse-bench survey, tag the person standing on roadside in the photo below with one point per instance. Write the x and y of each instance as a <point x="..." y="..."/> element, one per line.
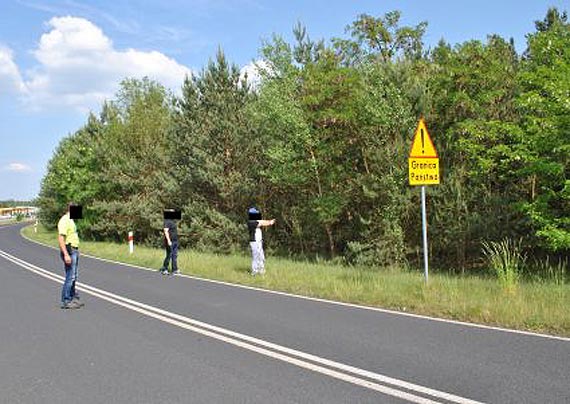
<point x="69" y="252"/>
<point x="170" y="242"/>
<point x="254" y="225"/>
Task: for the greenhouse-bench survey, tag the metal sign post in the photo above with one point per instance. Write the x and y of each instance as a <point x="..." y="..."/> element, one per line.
<point x="424" y="232"/>
<point x="423" y="164"/>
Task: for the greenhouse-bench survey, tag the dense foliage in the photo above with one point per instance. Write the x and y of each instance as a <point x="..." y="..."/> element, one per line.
<point x="321" y="144"/>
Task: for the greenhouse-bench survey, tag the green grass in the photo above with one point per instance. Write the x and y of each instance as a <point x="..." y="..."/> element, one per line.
<point x="534" y="306"/>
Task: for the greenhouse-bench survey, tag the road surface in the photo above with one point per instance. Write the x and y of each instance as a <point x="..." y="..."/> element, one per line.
<point x="146" y="338"/>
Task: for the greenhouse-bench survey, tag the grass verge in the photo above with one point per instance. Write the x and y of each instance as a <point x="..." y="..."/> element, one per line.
<point x="7" y="222"/>
<point x="534" y="306"/>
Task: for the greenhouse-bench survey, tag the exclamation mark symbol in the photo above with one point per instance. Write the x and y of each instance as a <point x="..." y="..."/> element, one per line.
<point x="422" y="133"/>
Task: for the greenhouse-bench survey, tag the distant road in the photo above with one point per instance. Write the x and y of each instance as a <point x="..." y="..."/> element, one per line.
<point x="145" y="338"/>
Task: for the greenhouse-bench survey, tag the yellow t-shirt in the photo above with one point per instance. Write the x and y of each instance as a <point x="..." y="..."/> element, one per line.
<point x="66" y="227"/>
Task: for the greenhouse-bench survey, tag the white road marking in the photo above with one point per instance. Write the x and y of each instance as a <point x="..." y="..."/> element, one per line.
<point x="301" y="359"/>
<point x="320" y="300"/>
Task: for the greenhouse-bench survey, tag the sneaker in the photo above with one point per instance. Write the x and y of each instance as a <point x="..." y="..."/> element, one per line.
<point x="70" y="305"/>
<point x="78" y="302"/>
<point x="164" y="272"/>
<point x="175" y="272"/>
<point x="75" y="304"/>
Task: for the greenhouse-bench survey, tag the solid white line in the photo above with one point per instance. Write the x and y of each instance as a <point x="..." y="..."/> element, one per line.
<point x="262" y="347"/>
<point x="320" y="300"/>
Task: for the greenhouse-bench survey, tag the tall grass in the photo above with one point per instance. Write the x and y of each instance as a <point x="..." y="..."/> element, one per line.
<point x="507" y="260"/>
<point x="543" y="270"/>
<point x="536" y="306"/>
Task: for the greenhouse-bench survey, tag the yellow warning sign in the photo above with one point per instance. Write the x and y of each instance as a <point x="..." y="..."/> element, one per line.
<point x="423" y="162"/>
<point x="422" y="146"/>
<point x="423" y="171"/>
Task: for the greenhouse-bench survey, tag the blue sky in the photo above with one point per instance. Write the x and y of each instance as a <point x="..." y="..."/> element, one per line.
<point x="59" y="59"/>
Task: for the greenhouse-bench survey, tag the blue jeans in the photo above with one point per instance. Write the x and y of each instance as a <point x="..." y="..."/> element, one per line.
<point x="68" y="290"/>
<point x="171" y="254"/>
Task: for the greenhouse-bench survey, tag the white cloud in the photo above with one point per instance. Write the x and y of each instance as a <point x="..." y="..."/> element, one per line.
<point x="254" y="71"/>
<point x="18" y="167"/>
<point x="10" y="79"/>
<point x="79" y="67"/>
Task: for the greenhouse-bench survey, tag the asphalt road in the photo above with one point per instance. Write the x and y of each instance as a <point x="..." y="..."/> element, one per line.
<point x="145" y="338"/>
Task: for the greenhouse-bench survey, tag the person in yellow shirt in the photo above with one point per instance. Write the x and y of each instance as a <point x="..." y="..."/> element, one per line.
<point x="69" y="252"/>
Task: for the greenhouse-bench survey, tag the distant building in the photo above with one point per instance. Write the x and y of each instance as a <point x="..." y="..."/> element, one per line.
<point x="27" y="211"/>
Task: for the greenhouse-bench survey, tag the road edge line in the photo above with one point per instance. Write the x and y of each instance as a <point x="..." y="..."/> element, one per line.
<point x="327" y="301"/>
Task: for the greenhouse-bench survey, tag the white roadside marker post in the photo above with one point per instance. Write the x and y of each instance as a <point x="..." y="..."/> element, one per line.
<point x="131" y="242"/>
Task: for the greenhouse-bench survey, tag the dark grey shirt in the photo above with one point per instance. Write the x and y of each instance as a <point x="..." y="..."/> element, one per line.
<point x="172" y="229"/>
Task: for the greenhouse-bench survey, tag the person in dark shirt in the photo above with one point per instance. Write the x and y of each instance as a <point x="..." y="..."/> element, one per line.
<point x="170" y="245"/>
<point x="254" y="225"/>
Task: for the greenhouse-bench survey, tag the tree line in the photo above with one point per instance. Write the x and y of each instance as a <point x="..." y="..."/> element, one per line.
<point x="321" y="143"/>
<point x="13" y="203"/>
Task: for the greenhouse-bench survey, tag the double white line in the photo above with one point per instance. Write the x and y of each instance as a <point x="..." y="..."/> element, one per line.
<point x="387" y="385"/>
